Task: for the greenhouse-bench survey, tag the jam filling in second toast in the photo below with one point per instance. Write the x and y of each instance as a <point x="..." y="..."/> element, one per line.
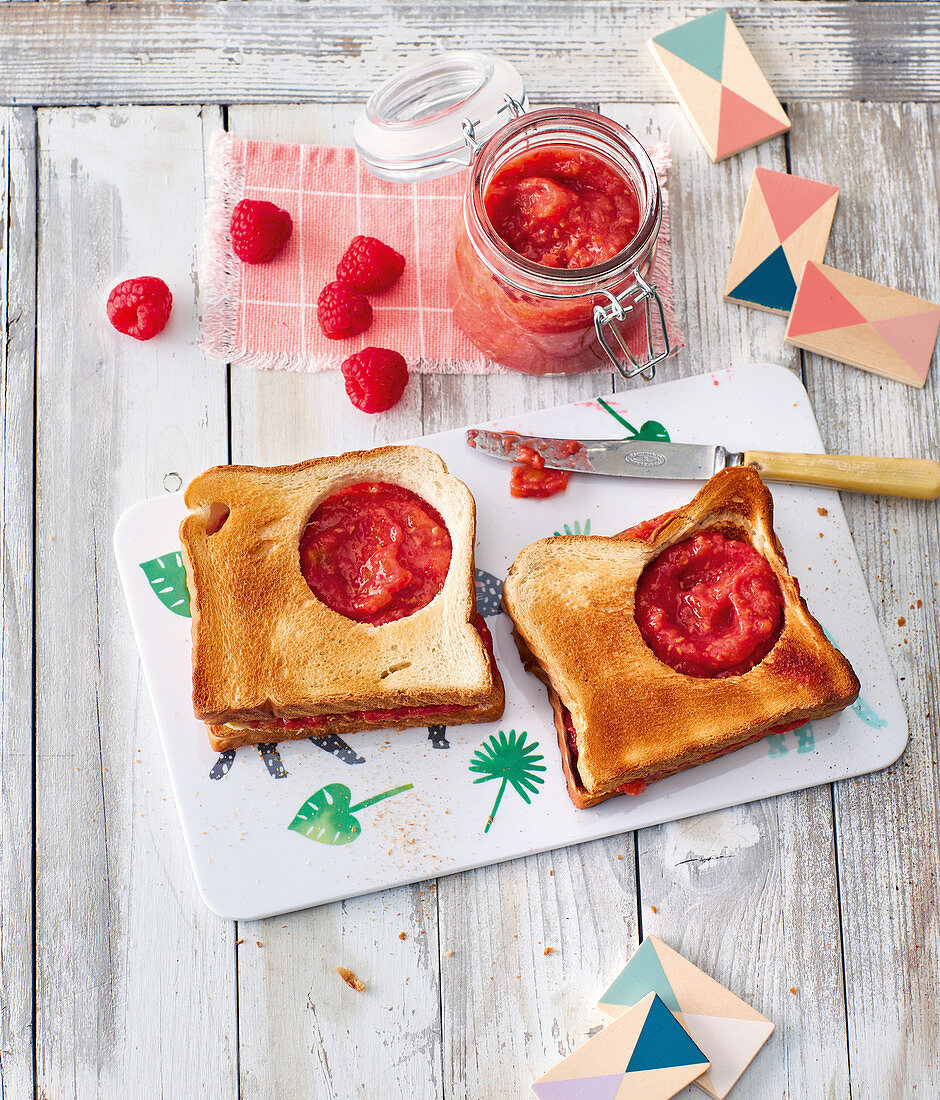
<point x="709" y="606"/>
<point x="375" y="552"/>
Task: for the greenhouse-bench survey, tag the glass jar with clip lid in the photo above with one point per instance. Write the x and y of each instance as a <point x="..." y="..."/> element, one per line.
<point x="557" y="233"/>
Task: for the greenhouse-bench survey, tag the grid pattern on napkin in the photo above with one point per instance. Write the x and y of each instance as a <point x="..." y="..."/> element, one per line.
<point x="264" y="315"/>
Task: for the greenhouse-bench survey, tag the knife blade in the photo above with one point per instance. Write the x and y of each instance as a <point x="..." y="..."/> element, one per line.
<point x="902" y="477"/>
<point x="616" y="457"/>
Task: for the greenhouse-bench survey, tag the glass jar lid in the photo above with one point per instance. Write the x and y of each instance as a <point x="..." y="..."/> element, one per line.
<point x="414" y="126"/>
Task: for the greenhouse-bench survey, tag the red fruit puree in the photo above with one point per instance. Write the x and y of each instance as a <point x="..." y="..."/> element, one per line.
<point x="561" y="206"/>
<point x="709" y="606"/>
<point x="531" y="479"/>
<point x="375" y="552"/>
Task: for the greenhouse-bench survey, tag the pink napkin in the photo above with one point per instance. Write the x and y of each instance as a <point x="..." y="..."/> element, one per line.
<point x="264" y="315"/>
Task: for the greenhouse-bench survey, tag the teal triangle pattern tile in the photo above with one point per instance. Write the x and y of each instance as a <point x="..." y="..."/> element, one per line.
<point x="663" y="1043"/>
<point x="700" y="42"/>
<point x="643" y="974"/>
<point x="603" y="1087"/>
<point x="770" y="284"/>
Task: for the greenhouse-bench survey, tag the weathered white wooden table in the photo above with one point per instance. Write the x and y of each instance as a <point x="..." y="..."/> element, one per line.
<point x="819" y="907"/>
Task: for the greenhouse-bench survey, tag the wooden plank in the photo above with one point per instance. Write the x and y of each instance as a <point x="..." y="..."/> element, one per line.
<point x="134" y="978"/>
<point x="18" y="312"/>
<point x="331" y="1041"/>
<point x="278" y="50"/>
<point x="729" y="890"/>
<point x="887" y="823"/>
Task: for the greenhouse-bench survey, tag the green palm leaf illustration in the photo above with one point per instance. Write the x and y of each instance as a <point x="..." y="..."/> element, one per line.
<point x="651" y="430"/>
<point x="327" y="816"/>
<point x="511" y="760"/>
<point x="168" y="580"/>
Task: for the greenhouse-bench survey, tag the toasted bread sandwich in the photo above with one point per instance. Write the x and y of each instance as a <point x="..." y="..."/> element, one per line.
<point x="673" y="643"/>
<point x="335" y="595"/>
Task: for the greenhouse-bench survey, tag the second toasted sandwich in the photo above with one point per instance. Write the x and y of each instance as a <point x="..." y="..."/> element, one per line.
<point x="673" y="643"/>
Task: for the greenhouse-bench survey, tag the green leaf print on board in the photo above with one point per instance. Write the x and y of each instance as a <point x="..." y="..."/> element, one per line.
<point x="649" y="429"/>
<point x="327" y="816"/>
<point x="511" y="760"/>
<point x="576" y="528"/>
<point x="168" y="580"/>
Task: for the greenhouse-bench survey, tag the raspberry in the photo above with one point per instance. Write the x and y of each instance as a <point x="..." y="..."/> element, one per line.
<point x="342" y="311"/>
<point x="375" y="379"/>
<point x="259" y="230"/>
<point x="369" y="265"/>
<point x="140" y="307"/>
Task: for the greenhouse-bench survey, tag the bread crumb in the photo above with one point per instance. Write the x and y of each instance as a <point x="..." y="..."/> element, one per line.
<point x="448" y="953"/>
<point x="901" y="620"/>
<point x="403" y="935"/>
<point x="350" y="979"/>
<point x="259" y="943"/>
<point x="549" y="951"/>
<point x="793" y="990"/>
<point x="823" y="511"/>
<point x="551" y="873"/>
<point x="653" y="907"/>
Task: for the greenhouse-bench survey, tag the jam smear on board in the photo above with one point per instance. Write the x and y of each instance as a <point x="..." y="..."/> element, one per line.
<point x="563" y="207"/>
<point x="709" y="606"/>
<point x="375" y="552"/>
<point x="533" y="481"/>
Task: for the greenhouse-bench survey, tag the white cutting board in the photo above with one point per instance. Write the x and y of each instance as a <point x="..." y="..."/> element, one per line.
<point x="236" y="809"/>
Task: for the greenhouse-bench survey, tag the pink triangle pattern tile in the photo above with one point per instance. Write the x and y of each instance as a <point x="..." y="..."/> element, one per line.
<point x="719" y="84"/>
<point x="645" y="1054"/>
<point x="727" y="1030"/>
<point x="786" y="222"/>
<point x="864" y="324"/>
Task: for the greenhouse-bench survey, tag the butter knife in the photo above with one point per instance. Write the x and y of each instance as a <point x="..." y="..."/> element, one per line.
<point x="902" y="477"/>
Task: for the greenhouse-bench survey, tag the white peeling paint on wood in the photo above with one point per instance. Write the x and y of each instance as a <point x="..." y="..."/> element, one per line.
<point x="134" y="976"/>
<point x="285" y="51"/>
<point x="17" y="310"/>
<point x="887" y="162"/>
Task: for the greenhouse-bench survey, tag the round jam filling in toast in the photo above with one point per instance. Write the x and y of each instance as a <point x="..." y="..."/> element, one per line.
<point x="563" y="207"/>
<point x="375" y="552"/>
<point x="709" y="606"/>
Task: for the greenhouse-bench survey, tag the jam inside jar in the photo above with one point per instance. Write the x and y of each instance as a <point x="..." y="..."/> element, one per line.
<point x="561" y="206"/>
<point x="562" y="212"/>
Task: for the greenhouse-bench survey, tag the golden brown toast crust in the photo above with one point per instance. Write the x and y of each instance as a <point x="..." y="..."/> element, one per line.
<point x="572" y="602"/>
<point x="264" y="646"/>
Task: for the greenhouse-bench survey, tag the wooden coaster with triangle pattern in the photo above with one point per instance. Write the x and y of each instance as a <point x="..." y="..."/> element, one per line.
<point x="864" y="324"/>
<point x="726" y="1029"/>
<point x="786" y="222"/>
<point x="719" y="84"/>
<point x="643" y="1055"/>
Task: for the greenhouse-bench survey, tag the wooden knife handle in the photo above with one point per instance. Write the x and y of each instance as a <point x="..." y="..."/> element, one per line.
<point x="898" y="477"/>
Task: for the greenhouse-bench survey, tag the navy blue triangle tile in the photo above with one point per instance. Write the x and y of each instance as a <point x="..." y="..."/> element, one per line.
<point x="769" y="284"/>
<point x="663" y="1043"/>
